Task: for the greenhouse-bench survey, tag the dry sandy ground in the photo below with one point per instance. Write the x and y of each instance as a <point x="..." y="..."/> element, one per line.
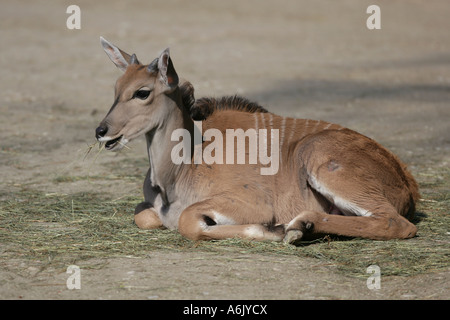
<point x="305" y="59"/>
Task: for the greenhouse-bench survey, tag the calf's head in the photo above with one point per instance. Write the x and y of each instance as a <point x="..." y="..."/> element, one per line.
<point x="141" y="97"/>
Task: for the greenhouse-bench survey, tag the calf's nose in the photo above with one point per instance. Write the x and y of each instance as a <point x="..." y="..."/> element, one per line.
<point x="100" y="132"/>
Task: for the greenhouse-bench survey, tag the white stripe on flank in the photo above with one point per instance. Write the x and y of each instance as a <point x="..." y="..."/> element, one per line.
<point x="263" y="120"/>
<point x="316" y="125"/>
<point x="255" y="115"/>
<point x="305" y="128"/>
<point x="283" y="127"/>
<point x="292" y="130"/>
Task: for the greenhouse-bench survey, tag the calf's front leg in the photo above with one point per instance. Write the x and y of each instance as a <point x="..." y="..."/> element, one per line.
<point x="146" y="217"/>
<point x="208" y="220"/>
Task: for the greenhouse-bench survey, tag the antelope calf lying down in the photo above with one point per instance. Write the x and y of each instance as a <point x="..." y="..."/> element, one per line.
<point x="330" y="180"/>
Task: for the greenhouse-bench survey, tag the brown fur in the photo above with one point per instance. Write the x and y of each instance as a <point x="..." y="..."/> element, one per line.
<point x="330" y="180"/>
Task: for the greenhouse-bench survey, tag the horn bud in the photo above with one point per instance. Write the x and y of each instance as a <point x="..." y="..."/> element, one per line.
<point x="153" y="66"/>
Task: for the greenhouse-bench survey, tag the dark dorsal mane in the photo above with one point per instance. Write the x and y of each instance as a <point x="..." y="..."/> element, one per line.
<point x="202" y="108"/>
<point x="207" y="106"/>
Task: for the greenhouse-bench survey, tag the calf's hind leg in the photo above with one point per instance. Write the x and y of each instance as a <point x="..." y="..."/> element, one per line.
<point x="362" y="180"/>
<point x="368" y="214"/>
<point x="381" y="226"/>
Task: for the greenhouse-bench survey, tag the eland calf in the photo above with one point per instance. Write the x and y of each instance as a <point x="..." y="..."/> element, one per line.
<point x="330" y="180"/>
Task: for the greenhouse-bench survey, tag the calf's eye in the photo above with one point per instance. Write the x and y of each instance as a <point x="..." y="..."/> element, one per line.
<point x="141" y="94"/>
